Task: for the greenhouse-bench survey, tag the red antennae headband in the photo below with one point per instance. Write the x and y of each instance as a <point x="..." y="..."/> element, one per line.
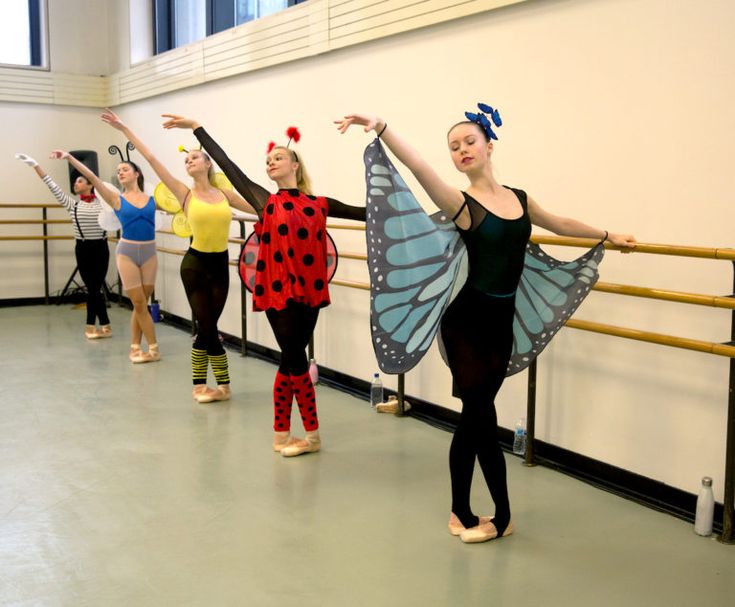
<point x="292" y="133"/>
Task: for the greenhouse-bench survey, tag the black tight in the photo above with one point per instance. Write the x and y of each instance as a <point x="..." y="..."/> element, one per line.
<point x="93" y="257"/>
<point x="206" y="278"/>
<point x="477" y="331"/>
<point x="293" y="327"/>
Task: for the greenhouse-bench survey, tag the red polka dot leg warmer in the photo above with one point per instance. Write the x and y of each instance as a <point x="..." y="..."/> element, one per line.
<point x="282" y="400"/>
<point x="303" y="390"/>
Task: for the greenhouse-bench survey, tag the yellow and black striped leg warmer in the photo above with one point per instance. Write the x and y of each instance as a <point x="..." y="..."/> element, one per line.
<point x="219" y="368"/>
<point x="198" y="366"/>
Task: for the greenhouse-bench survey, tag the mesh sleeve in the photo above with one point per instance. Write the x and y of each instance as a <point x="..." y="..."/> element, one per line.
<point x="255" y="194"/>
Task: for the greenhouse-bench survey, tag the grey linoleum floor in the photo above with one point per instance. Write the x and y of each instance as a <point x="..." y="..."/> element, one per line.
<point x="117" y="489"/>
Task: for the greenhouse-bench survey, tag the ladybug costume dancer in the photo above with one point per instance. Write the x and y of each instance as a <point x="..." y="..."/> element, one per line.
<point x="291" y="272"/>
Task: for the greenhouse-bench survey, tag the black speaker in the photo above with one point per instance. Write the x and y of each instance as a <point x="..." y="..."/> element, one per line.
<point x="87" y="158"/>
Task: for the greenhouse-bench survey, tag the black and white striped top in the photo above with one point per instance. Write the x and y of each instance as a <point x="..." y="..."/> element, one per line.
<point x="83" y="214"/>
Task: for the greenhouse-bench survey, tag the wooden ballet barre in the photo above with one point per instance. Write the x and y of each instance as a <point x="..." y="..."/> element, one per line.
<point x="656" y="249"/>
<point x="32" y="221"/>
<point x="677" y="296"/>
<point x="36" y="238"/>
<point x="29" y="205"/>
<point x="654" y="338"/>
<point x="351" y="284"/>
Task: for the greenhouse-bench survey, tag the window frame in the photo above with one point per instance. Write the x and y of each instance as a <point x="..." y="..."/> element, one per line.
<point x="219" y="15"/>
<point x="38" y="28"/>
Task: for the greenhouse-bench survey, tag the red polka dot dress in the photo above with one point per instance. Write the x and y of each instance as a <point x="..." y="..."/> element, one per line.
<point x="292" y="256"/>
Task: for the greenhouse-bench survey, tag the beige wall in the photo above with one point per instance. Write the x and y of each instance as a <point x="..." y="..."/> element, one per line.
<point x="617" y="112"/>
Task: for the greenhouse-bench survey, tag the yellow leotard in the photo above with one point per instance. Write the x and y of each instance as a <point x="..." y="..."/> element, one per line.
<point x="210" y="224"/>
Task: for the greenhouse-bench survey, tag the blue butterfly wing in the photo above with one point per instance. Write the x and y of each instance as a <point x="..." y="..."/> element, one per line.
<point x="413" y="259"/>
<point x="550" y="291"/>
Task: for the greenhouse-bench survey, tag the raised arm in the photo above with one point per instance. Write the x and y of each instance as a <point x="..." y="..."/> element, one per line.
<point x="345" y="211"/>
<point x="254" y="194"/>
<point x="179" y="188"/>
<point x="109" y="196"/>
<point x="61" y="196"/>
<point x="238" y="202"/>
<point x="446" y="197"/>
<point x="565" y="226"/>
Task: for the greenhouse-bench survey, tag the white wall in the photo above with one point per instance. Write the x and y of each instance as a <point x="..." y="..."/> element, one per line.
<point x="617" y="112"/>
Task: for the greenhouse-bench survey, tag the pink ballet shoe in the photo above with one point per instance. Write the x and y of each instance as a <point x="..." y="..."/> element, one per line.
<point x="90" y="332"/>
<point x="483" y="532"/>
<point x="135" y="352"/>
<point x="151" y="356"/>
<point x="281" y="440"/>
<point x="104" y="331"/>
<point x="201" y="391"/>
<point x="310" y="444"/>
<point x="456" y="527"/>
<point x="221" y="392"/>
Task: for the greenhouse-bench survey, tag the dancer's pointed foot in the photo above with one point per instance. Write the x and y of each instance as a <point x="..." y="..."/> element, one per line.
<point x="310" y="444"/>
<point x="456" y="527"/>
<point x="484" y="532"/>
<point x="221" y="392"/>
<point x="282" y="440"/>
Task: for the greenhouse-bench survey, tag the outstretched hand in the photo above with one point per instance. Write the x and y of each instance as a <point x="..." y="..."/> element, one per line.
<point x="627" y="242"/>
<point x="26" y="159"/>
<point x="370" y="123"/>
<point x="179" y="122"/>
<point x="59" y="155"/>
<point x="112" y="119"/>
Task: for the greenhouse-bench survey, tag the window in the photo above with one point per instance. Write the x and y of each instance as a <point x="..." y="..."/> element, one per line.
<point x="180" y="22"/>
<point x="20" y="33"/>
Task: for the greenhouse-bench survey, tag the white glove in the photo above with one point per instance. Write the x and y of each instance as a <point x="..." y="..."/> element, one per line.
<point x="27" y="160"/>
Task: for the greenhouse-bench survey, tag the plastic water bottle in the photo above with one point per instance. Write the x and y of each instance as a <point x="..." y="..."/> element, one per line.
<point x="705" y="509"/>
<point x="376" y="391"/>
<point x="313" y="371"/>
<point x="519" y="438"/>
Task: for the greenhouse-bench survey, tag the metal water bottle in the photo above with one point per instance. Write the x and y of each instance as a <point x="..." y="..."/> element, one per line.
<point x="705" y="508"/>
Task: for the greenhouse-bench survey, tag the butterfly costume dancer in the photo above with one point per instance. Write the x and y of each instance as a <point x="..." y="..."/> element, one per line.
<point x="510" y="303"/>
<point x="290" y="282"/>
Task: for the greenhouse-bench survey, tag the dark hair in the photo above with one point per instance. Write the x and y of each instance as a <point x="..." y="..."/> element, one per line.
<point x="88" y="181"/>
<point x="479" y="128"/>
<point x="136" y="168"/>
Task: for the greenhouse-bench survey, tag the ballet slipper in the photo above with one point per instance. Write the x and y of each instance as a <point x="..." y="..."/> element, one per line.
<point x="282" y="440"/>
<point x="151" y="356"/>
<point x="201" y="391"/>
<point x="391" y="406"/>
<point x="90" y="332"/>
<point x="456" y="527"/>
<point x="135" y="352"/>
<point x="310" y="444"/>
<point x="104" y="331"/>
<point x="484" y="532"/>
<point x="221" y="392"/>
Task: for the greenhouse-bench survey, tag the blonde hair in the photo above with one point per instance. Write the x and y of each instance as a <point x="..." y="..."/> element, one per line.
<point x="211" y="172"/>
<point x="303" y="181"/>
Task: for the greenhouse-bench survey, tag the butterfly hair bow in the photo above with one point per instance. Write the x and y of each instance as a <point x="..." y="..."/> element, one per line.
<point x="482" y="120"/>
